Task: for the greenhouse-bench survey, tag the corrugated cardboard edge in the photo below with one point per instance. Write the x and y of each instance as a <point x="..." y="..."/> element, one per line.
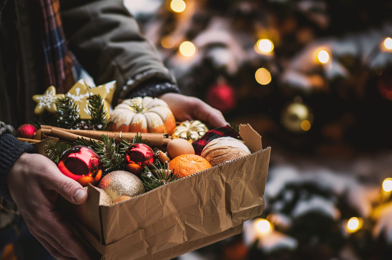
<point x="251" y="138"/>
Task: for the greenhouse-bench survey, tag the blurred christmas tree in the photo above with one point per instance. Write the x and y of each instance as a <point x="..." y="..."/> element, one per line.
<point x="312" y="76"/>
<point x="255" y="59"/>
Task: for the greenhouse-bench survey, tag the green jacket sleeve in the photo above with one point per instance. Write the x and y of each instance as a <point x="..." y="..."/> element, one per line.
<point x="107" y="41"/>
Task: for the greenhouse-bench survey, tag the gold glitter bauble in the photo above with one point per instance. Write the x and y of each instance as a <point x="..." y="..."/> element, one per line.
<point x="297" y="117"/>
<point x="121" y="183"/>
<point x="190" y="130"/>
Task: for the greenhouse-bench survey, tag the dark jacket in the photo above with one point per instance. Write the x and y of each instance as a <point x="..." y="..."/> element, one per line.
<point x="106" y="41"/>
<point x="103" y="36"/>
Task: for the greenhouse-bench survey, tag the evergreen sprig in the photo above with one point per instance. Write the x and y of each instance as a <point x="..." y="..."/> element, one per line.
<point x="98" y="113"/>
<point x="54" y="150"/>
<point x="96" y="146"/>
<point x="67" y="112"/>
<point x="125" y="144"/>
<point x="235" y="127"/>
<point x="111" y="157"/>
<point x="160" y="175"/>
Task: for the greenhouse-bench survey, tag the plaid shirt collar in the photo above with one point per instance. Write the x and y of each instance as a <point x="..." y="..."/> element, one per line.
<point x="213" y="134"/>
<point x="59" y="61"/>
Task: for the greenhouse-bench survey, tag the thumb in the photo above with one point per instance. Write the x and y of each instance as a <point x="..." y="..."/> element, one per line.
<point x="68" y="188"/>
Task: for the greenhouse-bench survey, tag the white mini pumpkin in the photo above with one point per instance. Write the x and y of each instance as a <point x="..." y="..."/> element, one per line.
<point x="144" y="115"/>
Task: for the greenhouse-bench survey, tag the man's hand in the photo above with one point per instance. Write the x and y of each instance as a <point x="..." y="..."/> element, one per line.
<point x="190" y="108"/>
<point x="34" y="183"/>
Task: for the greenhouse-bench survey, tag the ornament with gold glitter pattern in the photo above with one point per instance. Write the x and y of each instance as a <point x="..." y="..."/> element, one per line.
<point x="190" y="130"/>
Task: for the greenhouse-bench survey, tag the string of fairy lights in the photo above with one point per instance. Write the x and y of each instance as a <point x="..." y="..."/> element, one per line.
<point x="263" y="46"/>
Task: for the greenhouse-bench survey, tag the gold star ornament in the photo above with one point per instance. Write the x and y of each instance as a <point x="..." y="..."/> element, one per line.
<point x="81" y="91"/>
<point x="47" y="101"/>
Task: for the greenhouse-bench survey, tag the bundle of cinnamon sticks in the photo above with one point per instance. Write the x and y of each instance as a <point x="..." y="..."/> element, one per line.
<point x="155" y="140"/>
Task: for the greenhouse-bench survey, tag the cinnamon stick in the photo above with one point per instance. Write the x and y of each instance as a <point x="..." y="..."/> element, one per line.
<point x="154" y="139"/>
<point x="64" y="135"/>
<point x="30" y="141"/>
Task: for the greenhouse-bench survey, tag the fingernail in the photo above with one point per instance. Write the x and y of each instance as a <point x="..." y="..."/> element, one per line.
<point x="79" y="195"/>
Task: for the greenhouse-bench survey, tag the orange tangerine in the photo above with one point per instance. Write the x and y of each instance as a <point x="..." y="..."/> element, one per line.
<point x="188" y="164"/>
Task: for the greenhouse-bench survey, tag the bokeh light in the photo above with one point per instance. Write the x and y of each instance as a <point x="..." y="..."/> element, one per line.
<point x="265" y="46"/>
<point x="323" y="56"/>
<point x="388" y="43"/>
<point x="177" y="6"/>
<point x="167" y="42"/>
<point x="305" y="125"/>
<point x="263" y="76"/>
<point x="354" y="224"/>
<point x="387" y="185"/>
<point x="263" y="226"/>
<point x="187" y="48"/>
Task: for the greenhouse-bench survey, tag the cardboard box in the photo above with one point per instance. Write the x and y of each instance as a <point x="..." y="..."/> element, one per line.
<point x="182" y="216"/>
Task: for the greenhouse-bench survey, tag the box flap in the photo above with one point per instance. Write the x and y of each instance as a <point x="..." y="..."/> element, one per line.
<point x="251" y="138"/>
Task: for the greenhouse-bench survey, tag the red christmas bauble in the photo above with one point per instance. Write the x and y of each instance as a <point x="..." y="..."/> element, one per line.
<point x="26" y="131"/>
<point x="138" y="156"/>
<point x="222" y="97"/>
<point x="385" y="87"/>
<point x="81" y="164"/>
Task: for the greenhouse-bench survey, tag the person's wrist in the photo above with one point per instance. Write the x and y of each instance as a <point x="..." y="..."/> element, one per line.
<point x="153" y="88"/>
<point x="20" y="163"/>
<point x="19" y="167"/>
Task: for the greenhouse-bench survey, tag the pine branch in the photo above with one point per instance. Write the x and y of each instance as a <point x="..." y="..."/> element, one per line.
<point x="96" y="146"/>
<point x="54" y="150"/>
<point x="235" y="127"/>
<point x="67" y="112"/>
<point x="160" y="175"/>
<point x="150" y="182"/>
<point x="110" y="155"/>
<point x="139" y="140"/>
<point x="125" y="144"/>
<point x="98" y="113"/>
